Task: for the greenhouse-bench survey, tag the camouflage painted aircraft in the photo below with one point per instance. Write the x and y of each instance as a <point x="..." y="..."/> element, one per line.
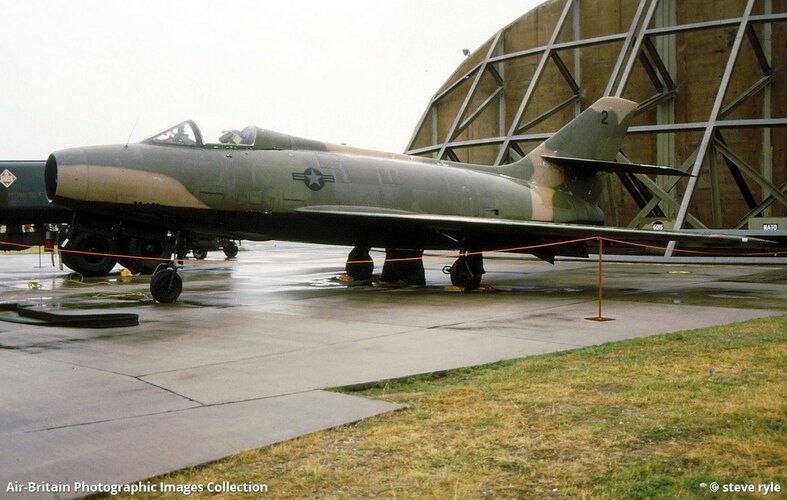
<point x="256" y="184"/>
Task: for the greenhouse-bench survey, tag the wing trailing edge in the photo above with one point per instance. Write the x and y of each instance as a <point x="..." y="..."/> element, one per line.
<point x="514" y="229"/>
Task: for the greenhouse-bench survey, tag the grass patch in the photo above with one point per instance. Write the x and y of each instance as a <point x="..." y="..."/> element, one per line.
<point x="642" y="418"/>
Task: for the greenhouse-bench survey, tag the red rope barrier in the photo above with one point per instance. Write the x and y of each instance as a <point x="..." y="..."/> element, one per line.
<point x="523" y="249"/>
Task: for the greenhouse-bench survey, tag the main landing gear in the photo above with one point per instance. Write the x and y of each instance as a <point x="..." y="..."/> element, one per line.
<point x="360" y="265"/>
<point x="403" y="266"/>
<point x="406" y="266"/>
<point x="467" y="271"/>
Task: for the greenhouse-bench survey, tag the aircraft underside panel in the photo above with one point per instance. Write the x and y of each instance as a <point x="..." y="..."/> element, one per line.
<point x="391" y="229"/>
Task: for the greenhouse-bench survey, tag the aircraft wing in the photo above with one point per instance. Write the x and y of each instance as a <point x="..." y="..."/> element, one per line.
<point x="511" y="232"/>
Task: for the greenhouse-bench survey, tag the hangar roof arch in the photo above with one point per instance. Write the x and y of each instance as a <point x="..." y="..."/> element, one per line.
<point x="711" y="84"/>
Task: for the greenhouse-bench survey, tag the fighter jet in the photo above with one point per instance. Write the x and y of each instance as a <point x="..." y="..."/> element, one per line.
<point x="256" y="184"/>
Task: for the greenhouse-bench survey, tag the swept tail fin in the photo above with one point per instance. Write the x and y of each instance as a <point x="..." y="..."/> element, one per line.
<point x="570" y="159"/>
<point x="596" y="134"/>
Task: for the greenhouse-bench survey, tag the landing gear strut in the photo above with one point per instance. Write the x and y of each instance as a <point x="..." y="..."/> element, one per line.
<point x="166" y="285"/>
<point x="466" y="272"/>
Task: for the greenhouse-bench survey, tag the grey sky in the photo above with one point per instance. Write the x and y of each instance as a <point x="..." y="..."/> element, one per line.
<point x="359" y="72"/>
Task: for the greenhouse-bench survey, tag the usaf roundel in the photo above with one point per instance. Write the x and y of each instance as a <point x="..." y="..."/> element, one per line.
<point x="313" y="178"/>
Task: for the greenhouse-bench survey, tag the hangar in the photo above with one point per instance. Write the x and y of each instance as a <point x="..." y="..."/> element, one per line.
<point x="711" y="83"/>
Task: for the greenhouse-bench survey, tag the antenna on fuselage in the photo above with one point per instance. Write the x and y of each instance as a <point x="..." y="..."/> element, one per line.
<point x="132" y="130"/>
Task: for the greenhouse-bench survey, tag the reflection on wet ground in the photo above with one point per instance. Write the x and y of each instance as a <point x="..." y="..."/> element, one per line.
<point x="303" y="272"/>
<point x="242" y="359"/>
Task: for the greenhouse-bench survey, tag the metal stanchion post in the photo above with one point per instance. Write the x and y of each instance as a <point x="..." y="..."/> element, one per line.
<point x="600" y="283"/>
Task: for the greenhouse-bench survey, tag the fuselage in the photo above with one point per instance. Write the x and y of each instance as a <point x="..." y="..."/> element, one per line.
<point x="253" y="193"/>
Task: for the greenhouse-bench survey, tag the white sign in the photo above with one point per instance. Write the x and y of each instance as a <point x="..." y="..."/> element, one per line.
<point x="7" y="178"/>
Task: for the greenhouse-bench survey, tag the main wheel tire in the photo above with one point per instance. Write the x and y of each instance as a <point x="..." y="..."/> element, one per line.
<point x="152" y="251"/>
<point x="462" y="276"/>
<point x="231" y="249"/>
<point x="199" y="253"/>
<point x="360" y="265"/>
<point x="404" y="266"/>
<point x="94" y="257"/>
<point x="166" y="286"/>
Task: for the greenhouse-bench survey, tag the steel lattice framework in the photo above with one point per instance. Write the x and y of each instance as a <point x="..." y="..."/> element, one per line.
<point x="711" y="88"/>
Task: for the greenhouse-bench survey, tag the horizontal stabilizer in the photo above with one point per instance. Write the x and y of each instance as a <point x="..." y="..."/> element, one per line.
<point x="591" y="167"/>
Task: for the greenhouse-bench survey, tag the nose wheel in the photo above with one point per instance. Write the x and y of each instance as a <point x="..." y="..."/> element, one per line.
<point x="166" y="284"/>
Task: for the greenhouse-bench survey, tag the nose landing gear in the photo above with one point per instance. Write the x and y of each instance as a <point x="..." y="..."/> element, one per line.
<point x="166" y="285"/>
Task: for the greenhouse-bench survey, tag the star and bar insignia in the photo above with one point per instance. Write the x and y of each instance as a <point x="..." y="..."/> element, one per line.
<point x="313" y="178"/>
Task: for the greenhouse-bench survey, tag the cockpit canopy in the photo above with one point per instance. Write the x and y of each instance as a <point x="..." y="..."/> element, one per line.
<point x="187" y="133"/>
